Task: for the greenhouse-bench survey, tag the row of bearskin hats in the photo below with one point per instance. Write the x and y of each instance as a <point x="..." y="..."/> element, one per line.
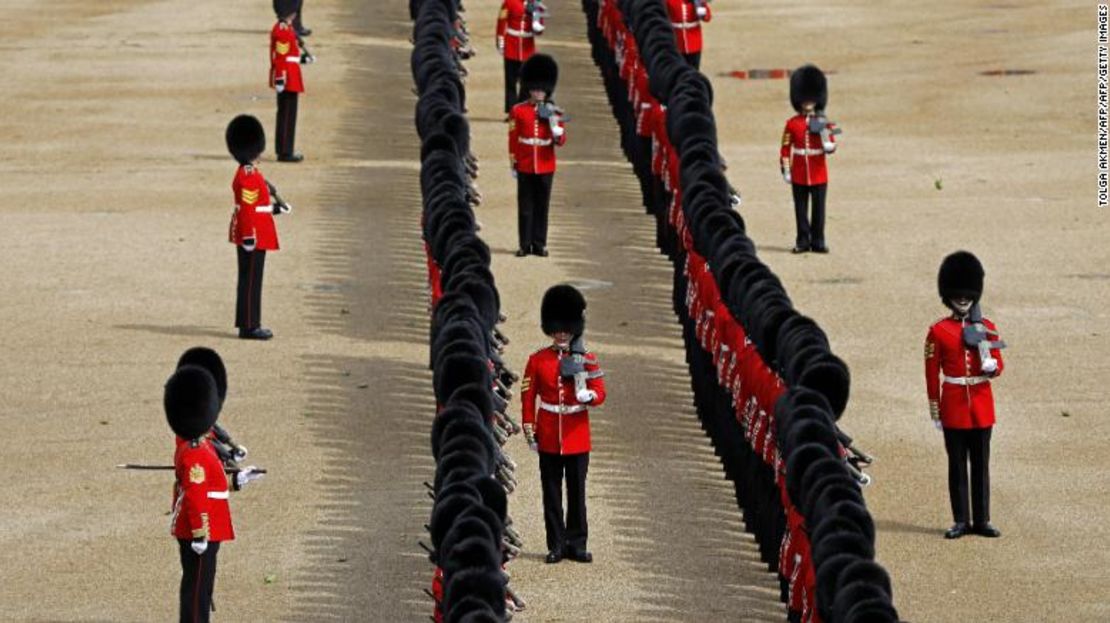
<point x="471" y="532"/>
<point x="851" y="585"/>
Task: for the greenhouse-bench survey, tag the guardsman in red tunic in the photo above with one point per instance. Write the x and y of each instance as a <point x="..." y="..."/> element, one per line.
<point x="962" y="355"/>
<point x="518" y="25"/>
<point x="536" y="127"/>
<point x="201" y="518"/>
<point x="686" y="18"/>
<point x="286" y="58"/>
<point x="252" y="229"/>
<point x="809" y="136"/>
<point x="561" y="383"/>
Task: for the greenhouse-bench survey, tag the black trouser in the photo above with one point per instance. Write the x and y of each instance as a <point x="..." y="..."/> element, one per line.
<point x="533" y="194"/>
<point x="248" y="299"/>
<point x="962" y="444"/>
<point x="198" y="577"/>
<point x="286" y="123"/>
<point x="569" y="534"/>
<point x="693" y="60"/>
<point x="512" y="75"/>
<point x="810" y="232"/>
<point x="298" y="25"/>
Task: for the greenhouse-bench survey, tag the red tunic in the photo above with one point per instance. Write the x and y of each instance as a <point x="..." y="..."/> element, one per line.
<point x="285" y="58"/>
<point x="531" y="144"/>
<point x="254" y="215"/>
<point x="687" y="24"/>
<point x="562" y="424"/>
<point x="803" y="150"/>
<point x="514" y="31"/>
<point x="200" y="508"/>
<point x="959" y="406"/>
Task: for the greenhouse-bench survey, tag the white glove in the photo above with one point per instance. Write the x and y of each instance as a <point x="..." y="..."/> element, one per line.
<point x="239" y="453"/>
<point x="285" y="208"/>
<point x="786" y="176"/>
<point x="537" y="26"/>
<point x="247" y="475"/>
<point x="701" y="11"/>
<point x="530" y="437"/>
<point x="512" y="171"/>
<point x="938" y="425"/>
<point x="279" y="85"/>
<point x="501" y="45"/>
<point x="828" y="146"/>
<point x="249" y="244"/>
<point x="556" y="129"/>
<point x="199" y="546"/>
<point x="586" y="396"/>
<point x="990" y="365"/>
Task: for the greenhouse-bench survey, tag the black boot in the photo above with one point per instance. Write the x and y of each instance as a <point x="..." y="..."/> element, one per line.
<point x="987" y="530"/>
<point x="957" y="530"/>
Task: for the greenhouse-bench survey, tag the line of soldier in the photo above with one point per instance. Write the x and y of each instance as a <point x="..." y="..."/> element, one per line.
<point x="766" y="385"/>
<point x="472" y="537"/>
<point x="252" y="229"/>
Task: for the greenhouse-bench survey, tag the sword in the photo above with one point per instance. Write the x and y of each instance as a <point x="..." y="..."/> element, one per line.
<point x="138" y="466"/>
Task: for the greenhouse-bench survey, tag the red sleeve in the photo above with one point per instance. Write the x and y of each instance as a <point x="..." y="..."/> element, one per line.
<point x="513" y="135"/>
<point x="784" y="152"/>
<point x="247" y="197"/>
<point x="708" y="14"/>
<point x="528" y="393"/>
<point x="279" y="49"/>
<point x="932" y="373"/>
<point x="502" y="23"/>
<point x="595" y="379"/>
<point x="193" y="478"/>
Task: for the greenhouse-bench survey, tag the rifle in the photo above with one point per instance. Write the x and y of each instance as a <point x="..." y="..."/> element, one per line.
<point x="977" y="335"/>
<point x="281" y="206"/>
<point x="574" y="366"/>
<point x="307" y="58"/>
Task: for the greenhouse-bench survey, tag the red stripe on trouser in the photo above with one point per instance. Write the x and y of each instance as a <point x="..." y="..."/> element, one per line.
<point x="250" y="292"/>
<point x="196" y="590"/>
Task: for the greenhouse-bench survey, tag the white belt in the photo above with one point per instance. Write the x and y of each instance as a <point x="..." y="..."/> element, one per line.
<point x="534" y="141"/>
<point x="684" y="25"/>
<point x="966" y="380"/>
<point x="523" y="34"/>
<point x="292" y="59"/>
<point x="266" y="208"/>
<point x="562" y="409"/>
<point x="806" y="152"/>
<point x="218" y="495"/>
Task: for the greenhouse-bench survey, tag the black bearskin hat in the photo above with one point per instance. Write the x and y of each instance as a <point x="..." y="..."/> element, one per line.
<point x="960" y="276"/>
<point x="808" y="83"/>
<point x="209" y="360"/>
<point x="191" y="402"/>
<point x="563" y="309"/>
<point x="285" y="8"/>
<point x="246" y="140"/>
<point x="539" y="72"/>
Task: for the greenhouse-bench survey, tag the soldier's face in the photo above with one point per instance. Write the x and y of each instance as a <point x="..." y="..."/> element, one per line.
<point x="962" y="306"/>
<point x="537" y="95"/>
<point x="808" y="107"/>
<point x="562" y="338"/>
